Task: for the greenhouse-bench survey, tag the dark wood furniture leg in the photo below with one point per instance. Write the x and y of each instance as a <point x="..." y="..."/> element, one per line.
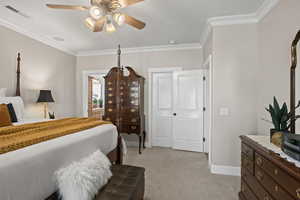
<point x="144" y="139"/>
<point x="140" y="144"/>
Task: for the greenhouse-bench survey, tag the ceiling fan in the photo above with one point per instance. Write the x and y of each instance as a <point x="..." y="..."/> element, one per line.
<point x="104" y="13"/>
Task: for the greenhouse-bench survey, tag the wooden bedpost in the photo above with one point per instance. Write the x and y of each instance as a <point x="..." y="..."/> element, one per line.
<point x="18" y="90"/>
<point x="119" y="56"/>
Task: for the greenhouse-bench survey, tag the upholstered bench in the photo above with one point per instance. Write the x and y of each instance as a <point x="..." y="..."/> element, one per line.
<point x="127" y="183"/>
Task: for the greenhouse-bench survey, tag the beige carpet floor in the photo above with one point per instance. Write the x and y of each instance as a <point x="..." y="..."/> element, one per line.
<point x="180" y="175"/>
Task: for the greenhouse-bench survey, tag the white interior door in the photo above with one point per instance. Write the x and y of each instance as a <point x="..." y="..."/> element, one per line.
<point x="162" y="96"/>
<point x="188" y="103"/>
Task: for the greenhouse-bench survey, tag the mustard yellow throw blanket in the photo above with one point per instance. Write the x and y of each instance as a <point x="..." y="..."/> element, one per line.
<point x="17" y="137"/>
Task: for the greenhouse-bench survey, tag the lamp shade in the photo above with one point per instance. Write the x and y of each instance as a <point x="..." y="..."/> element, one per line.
<point x="45" y="97"/>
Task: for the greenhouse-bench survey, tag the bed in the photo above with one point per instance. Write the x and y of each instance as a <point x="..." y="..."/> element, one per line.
<point x="27" y="173"/>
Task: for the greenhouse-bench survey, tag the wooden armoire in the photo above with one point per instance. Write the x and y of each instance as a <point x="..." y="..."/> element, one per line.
<point x="124" y="101"/>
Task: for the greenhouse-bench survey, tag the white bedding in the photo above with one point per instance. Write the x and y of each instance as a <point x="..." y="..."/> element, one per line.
<point x="27" y="174"/>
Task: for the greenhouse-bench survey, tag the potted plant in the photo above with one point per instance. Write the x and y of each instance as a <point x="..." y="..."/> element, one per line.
<point x="281" y="119"/>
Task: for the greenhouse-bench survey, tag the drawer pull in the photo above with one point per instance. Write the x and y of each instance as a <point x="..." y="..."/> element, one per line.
<point x="259" y="176"/>
<point x="133" y="120"/>
<point x="298" y="193"/>
<point x="267" y="198"/>
<point x="110" y="89"/>
<point x="259" y="161"/>
<point x="276" y="188"/>
<point x="133" y="110"/>
<point x="110" y="110"/>
<point x="133" y="127"/>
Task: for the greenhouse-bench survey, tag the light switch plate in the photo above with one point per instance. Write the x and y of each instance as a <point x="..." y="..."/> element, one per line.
<point x="224" y="111"/>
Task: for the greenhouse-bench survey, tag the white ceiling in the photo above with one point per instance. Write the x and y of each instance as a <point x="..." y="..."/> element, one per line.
<point x="179" y="20"/>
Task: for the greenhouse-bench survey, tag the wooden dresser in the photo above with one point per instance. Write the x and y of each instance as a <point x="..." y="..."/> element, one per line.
<point x="124" y="102"/>
<point x="265" y="175"/>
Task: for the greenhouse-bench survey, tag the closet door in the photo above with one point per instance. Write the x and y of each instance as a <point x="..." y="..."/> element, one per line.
<point x="188" y="110"/>
<point x="162" y="95"/>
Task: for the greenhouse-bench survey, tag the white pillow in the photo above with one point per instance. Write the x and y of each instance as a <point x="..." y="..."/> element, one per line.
<point x="3" y="92"/>
<point x="82" y="180"/>
<point x="17" y="103"/>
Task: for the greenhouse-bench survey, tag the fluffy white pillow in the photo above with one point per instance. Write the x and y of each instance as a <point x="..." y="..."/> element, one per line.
<point x="82" y="180"/>
<point x="3" y="92"/>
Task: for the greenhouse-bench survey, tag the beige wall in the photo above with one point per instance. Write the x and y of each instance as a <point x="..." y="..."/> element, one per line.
<point x="276" y="32"/>
<point x="43" y="67"/>
<point x="234" y="87"/>
<point x="250" y="65"/>
<point x="141" y="62"/>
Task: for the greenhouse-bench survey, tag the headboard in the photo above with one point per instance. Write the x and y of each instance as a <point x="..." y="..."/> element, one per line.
<point x="18" y="88"/>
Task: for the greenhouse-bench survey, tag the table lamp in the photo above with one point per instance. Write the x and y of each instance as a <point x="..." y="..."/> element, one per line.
<point x="45" y="97"/>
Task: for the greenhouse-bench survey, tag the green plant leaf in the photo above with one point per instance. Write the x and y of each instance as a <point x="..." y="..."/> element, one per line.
<point x="275" y="119"/>
<point x="284" y="109"/>
<point x="276" y="108"/>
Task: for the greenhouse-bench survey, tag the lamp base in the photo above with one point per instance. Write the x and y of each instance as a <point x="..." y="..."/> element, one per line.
<point x="45" y="110"/>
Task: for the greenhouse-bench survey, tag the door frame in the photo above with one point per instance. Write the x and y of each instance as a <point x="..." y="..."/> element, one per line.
<point x="85" y="95"/>
<point x="208" y="65"/>
<point x="151" y="71"/>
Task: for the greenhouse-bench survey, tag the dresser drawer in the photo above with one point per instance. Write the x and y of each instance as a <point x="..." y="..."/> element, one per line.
<point x="248" y="151"/>
<point x="130" y="120"/>
<point x="247" y="164"/>
<point x="247" y="191"/>
<point x="285" y="180"/>
<point x="271" y="186"/>
<point x="255" y="186"/>
<point x="130" y="128"/>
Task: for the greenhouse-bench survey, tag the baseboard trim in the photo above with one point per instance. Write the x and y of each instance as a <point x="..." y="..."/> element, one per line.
<point x="225" y="170"/>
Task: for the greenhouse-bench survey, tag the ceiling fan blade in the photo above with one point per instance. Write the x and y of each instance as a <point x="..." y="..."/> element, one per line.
<point x="95" y="26"/>
<point x="134" y="22"/>
<point x="68" y="7"/>
<point x="95" y="2"/>
<point x="125" y="3"/>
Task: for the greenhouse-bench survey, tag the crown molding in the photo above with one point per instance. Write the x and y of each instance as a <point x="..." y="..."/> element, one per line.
<point x="265" y="9"/>
<point x="48" y="41"/>
<point x="251" y="18"/>
<point x="175" y="47"/>
<point x="205" y="34"/>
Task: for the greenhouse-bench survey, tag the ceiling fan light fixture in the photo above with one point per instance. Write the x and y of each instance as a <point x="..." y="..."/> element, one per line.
<point x="110" y="28"/>
<point x="96" y="12"/>
<point x="90" y="22"/>
<point x="119" y="18"/>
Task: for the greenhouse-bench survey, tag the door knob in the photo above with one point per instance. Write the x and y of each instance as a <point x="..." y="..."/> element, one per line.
<point x="174" y="114"/>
